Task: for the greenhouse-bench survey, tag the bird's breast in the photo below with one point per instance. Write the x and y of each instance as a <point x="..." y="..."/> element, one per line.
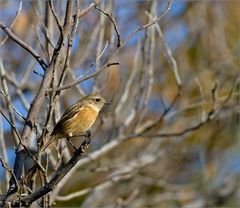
<point x="81" y="121"/>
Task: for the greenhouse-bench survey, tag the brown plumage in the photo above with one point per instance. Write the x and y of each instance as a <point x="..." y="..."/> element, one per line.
<point x="78" y="118"/>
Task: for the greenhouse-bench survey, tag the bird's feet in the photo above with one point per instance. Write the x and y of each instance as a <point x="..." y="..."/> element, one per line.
<point x="88" y="134"/>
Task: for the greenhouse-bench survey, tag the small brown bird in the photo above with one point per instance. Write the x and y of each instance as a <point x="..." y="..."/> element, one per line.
<point x="78" y="118"/>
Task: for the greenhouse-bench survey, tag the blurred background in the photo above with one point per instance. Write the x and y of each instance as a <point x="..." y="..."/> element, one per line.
<point x="171" y="135"/>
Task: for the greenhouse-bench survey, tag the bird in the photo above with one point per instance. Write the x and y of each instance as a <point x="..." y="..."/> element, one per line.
<point x="77" y="119"/>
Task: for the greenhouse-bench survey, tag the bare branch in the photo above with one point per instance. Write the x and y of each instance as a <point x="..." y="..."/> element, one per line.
<point x="5" y="92"/>
<point x="114" y="25"/>
<point x="55" y="16"/>
<point x="211" y="116"/>
<point x="9" y="170"/>
<point x="23" y="45"/>
<point x="3" y="149"/>
<point x="11" y="105"/>
<point x="103" y="51"/>
<point x="60" y="173"/>
<point x="140" y="28"/>
<point x="67" y="86"/>
<point x="87" y="9"/>
<point x="74" y="195"/>
<point x="170" y="55"/>
<point x="13" y="22"/>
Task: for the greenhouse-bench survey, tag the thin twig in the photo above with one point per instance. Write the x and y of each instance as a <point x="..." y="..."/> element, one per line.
<point x="12" y="106"/>
<point x="59" y="174"/>
<point x="9" y="170"/>
<point x="20" y="139"/>
<point x="124" y="172"/>
<point x="211" y="116"/>
<point x="55" y="16"/>
<point x="127" y="87"/>
<point x="103" y="51"/>
<point x="6" y="94"/>
<point x="38" y="41"/>
<point x="74" y="195"/>
<point x="149" y="63"/>
<point x="78" y="81"/>
<point x="87" y="9"/>
<point x="146" y="128"/>
<point x="23" y="45"/>
<point x="170" y="55"/>
<point x="13" y="22"/>
<point x="3" y="148"/>
<point x="203" y="115"/>
<point x="114" y="25"/>
<point x="140" y="28"/>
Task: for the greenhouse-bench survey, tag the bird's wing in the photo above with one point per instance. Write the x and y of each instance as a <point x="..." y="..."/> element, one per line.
<point x="68" y="114"/>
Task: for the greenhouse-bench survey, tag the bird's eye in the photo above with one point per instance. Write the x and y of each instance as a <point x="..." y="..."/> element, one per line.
<point x="97" y="99"/>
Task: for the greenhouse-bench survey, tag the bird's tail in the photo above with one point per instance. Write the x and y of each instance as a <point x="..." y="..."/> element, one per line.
<point x="50" y="140"/>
